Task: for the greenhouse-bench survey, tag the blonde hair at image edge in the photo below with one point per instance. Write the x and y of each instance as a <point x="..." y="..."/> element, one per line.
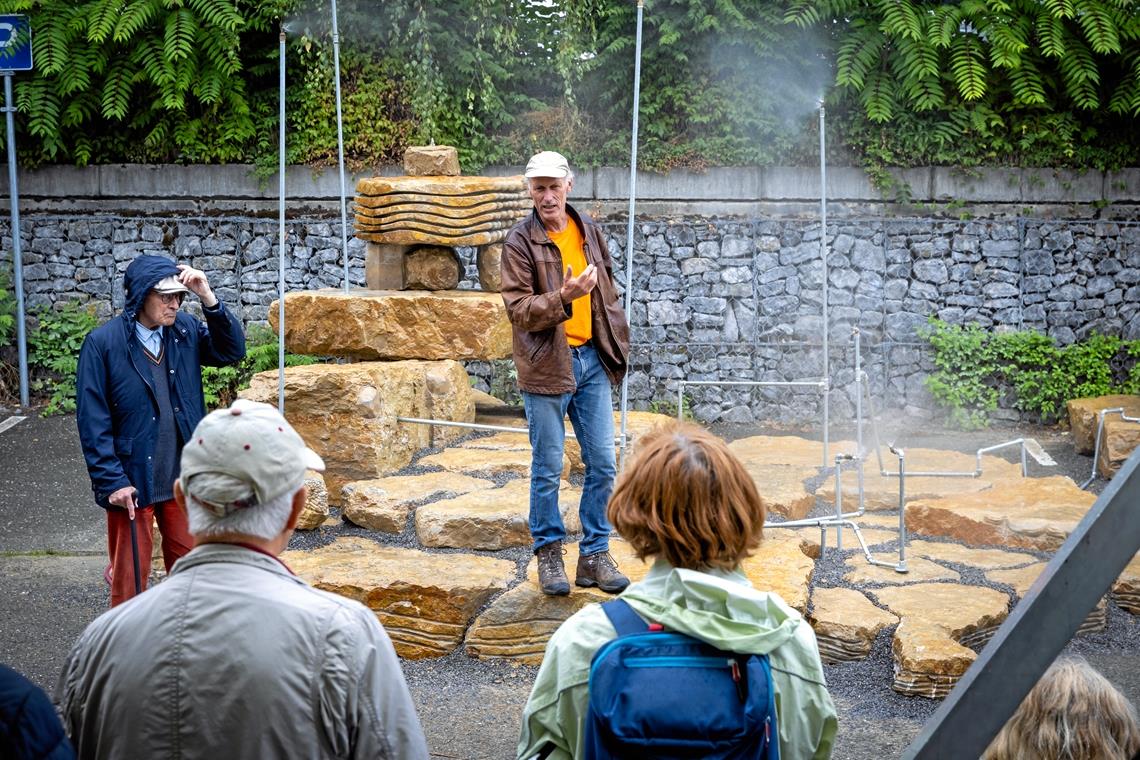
<point x="1073" y="713"/>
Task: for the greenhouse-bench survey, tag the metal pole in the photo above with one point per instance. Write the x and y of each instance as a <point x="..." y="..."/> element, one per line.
<point x="340" y="145"/>
<point x="823" y="262"/>
<point x="629" y="225"/>
<point x="17" y="256"/>
<point x="281" y="224"/>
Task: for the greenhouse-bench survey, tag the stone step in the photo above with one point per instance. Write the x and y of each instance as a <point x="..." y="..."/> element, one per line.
<point x="489" y="519"/>
<point x="1023" y="577"/>
<point x="1022" y="513"/>
<point x="396" y="324"/>
<point x="384" y="504"/>
<point x="846" y="623"/>
<point x="425" y="601"/>
<point x="347" y="412"/>
<point x="939" y="624"/>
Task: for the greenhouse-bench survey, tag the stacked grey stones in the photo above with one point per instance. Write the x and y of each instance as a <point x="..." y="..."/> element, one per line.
<point x="713" y="299"/>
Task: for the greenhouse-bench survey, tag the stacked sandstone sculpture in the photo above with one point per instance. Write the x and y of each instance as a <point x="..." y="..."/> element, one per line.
<point x="411" y="224"/>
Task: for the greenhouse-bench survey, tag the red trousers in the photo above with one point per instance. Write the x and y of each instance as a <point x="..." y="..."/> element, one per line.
<point x="176" y="541"/>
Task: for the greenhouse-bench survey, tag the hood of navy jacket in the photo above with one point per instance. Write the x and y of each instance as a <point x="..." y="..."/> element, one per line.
<point x="142" y="275"/>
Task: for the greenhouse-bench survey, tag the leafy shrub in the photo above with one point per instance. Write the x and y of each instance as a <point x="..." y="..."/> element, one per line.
<point x="7" y="309"/>
<point x="220" y="385"/>
<point x="974" y="367"/>
<point x="53" y="353"/>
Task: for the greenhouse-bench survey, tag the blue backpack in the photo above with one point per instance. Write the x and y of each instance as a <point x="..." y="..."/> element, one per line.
<point x="667" y="695"/>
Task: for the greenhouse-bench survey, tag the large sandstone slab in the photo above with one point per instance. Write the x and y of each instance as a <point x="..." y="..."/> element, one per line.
<point x="846" y="623"/>
<point x="782" y="489"/>
<point x="347" y="412"/>
<point x="985" y="559"/>
<point x="918" y="569"/>
<point x="1126" y="590"/>
<point x="882" y="492"/>
<point x="520" y="622"/>
<point x="1023" y="578"/>
<point x="940" y="622"/>
<point x="781" y="565"/>
<point x="384" y="504"/>
<point x="1118" y="441"/>
<point x="1083" y="414"/>
<point x="440" y="186"/>
<point x="787" y="450"/>
<point x="316" y="509"/>
<point x="425" y="601"/>
<point x="489" y="519"/>
<point x="485" y="461"/>
<point x="380" y="324"/>
<point x="1028" y="513"/>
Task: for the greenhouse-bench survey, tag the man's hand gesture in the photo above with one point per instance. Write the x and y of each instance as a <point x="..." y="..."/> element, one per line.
<point x="576" y="287"/>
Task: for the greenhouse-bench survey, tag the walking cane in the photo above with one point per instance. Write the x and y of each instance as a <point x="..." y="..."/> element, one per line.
<point x="135" y="546"/>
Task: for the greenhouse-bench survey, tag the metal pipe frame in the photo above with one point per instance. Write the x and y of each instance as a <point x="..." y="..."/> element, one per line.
<point x="17" y="256"/>
<point x="1099" y="431"/>
<point x="281" y="224"/>
<point x="340" y="144"/>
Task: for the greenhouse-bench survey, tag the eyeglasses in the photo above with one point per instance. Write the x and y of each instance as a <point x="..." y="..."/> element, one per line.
<point x="169" y="298"/>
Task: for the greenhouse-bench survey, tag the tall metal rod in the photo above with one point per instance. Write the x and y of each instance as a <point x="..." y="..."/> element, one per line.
<point x="340" y="146"/>
<point x="629" y="225"/>
<point x="17" y="256"/>
<point x="823" y="262"/>
<point x="281" y="226"/>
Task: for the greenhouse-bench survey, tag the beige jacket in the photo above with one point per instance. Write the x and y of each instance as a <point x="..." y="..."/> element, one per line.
<point x="235" y="657"/>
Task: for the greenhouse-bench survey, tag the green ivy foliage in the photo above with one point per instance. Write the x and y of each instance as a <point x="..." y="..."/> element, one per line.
<point x="974" y="368"/>
<point x="53" y="353"/>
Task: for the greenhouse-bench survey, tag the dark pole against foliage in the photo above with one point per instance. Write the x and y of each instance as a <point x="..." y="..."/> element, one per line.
<point x="340" y="144"/>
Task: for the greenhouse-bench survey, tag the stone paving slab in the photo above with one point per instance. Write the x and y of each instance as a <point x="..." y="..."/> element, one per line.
<point x="846" y="623"/>
<point x="882" y="492"/>
<point x="787" y="450"/>
<point x="425" y="601"/>
<point x="1023" y="577"/>
<point x="518" y="624"/>
<point x="511" y="461"/>
<point x="940" y="622"/>
<point x="782" y="565"/>
<point x="383" y="504"/>
<point x="782" y="489"/>
<point x="489" y="519"/>
<point x="1126" y="590"/>
<point x="918" y="569"/>
<point x="985" y="559"/>
<point x="1028" y="513"/>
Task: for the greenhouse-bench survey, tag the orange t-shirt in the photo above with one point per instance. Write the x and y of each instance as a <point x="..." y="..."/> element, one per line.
<point x="571" y="245"/>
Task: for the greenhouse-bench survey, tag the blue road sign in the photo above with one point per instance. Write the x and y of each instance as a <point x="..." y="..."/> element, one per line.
<point x="15" y="43"/>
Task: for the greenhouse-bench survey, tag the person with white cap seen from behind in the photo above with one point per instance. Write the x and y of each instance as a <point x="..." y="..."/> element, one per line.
<point x="570" y="347"/>
<point x="233" y="655"/>
<point x="138" y="397"/>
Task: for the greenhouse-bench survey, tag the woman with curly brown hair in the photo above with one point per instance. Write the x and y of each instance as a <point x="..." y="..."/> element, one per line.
<point x="1073" y="713"/>
<point x="686" y="503"/>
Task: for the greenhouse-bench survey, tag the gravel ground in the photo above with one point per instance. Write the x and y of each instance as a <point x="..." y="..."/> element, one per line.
<point x="50" y="567"/>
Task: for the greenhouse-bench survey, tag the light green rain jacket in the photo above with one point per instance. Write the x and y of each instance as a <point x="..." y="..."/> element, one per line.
<point x="718" y="607"/>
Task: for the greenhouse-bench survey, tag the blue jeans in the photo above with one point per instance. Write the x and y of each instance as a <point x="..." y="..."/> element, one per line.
<point x="591" y="413"/>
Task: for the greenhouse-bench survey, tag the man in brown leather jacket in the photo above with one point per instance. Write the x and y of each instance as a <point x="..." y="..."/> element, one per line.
<point x="571" y="343"/>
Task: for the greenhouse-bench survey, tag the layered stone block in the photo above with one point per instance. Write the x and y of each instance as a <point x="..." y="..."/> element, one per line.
<point x="425" y="601"/>
<point x="1023" y="577"/>
<point x="431" y="161"/>
<point x="384" y="504"/>
<point x="489" y="519"/>
<point x="940" y="622"/>
<point x="1084" y="412"/>
<point x="1118" y="441"/>
<point x="846" y="623"/>
<point x="396" y="325"/>
<point x="1126" y="590"/>
<point x="347" y="412"/>
<point x="1026" y="513"/>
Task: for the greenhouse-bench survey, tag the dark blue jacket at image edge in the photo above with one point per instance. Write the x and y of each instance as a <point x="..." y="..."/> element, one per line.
<point x="116" y="406"/>
<point x="29" y="726"/>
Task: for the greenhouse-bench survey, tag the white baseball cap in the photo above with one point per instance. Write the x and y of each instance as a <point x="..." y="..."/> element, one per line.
<point x="547" y="164"/>
<point x="255" y="448"/>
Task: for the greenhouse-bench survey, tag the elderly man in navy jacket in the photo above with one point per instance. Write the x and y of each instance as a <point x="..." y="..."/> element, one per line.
<point x="138" y="399"/>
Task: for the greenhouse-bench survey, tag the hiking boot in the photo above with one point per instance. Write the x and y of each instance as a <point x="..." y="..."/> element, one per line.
<point x="551" y="570"/>
<point x="598" y="569"/>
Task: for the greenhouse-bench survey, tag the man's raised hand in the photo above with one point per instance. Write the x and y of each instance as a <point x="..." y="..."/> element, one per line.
<point x="576" y="287"/>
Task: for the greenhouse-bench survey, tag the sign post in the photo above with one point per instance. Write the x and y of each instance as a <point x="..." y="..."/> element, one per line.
<point x="16" y="55"/>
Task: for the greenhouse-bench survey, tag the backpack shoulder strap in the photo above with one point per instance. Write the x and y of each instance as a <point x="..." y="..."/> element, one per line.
<point x="625" y="621"/>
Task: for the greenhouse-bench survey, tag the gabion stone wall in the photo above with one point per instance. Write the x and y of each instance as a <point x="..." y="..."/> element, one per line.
<point x="713" y="301"/>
